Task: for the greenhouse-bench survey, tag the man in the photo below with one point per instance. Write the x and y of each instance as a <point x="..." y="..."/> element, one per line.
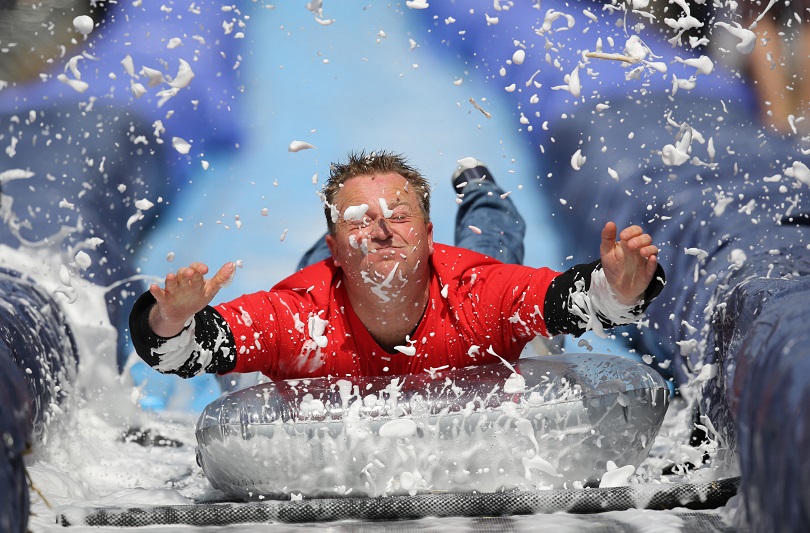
<point x="389" y="300"/>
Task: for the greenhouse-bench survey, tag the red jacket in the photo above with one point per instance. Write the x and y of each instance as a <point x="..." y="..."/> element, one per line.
<point x="305" y="326"/>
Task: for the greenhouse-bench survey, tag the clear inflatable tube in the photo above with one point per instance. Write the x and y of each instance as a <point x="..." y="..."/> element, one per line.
<point x="548" y="423"/>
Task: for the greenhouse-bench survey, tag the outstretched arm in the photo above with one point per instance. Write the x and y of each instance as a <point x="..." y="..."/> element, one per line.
<point x="184" y="294"/>
<point x="612" y="291"/>
<point x="629" y="263"/>
<point x="174" y="329"/>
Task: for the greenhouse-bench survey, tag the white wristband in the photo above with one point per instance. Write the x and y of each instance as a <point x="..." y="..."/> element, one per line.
<point x="605" y="302"/>
<point x="600" y="300"/>
<point x="178" y="350"/>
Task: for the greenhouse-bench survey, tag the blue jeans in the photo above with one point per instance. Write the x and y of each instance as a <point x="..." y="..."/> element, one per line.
<point x="482" y="206"/>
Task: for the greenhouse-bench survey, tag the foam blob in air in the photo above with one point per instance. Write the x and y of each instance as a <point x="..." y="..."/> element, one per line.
<point x="467" y="162"/>
<point x="297" y="146"/>
<point x="417" y="4"/>
<point x="83" y="24"/>
<point x="181" y="145"/>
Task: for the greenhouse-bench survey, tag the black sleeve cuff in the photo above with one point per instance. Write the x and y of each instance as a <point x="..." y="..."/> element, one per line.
<point x="557" y="306"/>
<point x="210" y="330"/>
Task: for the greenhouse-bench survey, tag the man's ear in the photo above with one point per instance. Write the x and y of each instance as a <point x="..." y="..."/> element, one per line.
<point x="430" y="236"/>
<point x="332" y="244"/>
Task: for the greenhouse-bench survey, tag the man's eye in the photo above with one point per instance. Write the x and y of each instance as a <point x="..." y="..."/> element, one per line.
<point x="357" y="224"/>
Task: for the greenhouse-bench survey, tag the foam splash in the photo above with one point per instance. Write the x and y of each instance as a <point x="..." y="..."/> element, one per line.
<point x="464" y="432"/>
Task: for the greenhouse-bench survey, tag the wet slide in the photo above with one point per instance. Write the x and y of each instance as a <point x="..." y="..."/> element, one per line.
<point x="237" y="204"/>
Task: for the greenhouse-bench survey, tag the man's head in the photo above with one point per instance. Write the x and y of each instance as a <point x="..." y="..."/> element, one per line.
<point x="380" y="234"/>
<point x="362" y="164"/>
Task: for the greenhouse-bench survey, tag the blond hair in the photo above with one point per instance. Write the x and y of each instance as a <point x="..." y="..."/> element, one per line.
<point x="366" y="164"/>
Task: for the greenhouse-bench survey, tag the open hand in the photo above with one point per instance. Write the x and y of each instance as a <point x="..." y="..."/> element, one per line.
<point x="630" y="263"/>
<point x="183" y="295"/>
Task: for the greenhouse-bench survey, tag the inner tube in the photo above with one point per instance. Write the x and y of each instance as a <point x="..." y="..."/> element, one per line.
<point x="35" y="334"/>
<point x="38" y="361"/>
<point x="554" y="422"/>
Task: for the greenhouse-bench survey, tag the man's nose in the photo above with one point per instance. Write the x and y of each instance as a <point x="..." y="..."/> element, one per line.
<point x="379" y="228"/>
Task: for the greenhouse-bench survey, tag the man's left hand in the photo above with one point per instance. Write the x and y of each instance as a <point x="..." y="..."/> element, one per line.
<point x="630" y="263"/>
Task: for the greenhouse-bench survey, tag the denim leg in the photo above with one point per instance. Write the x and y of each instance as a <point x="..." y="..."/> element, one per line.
<point x="485" y="206"/>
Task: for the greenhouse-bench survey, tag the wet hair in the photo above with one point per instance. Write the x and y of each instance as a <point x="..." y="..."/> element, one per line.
<point x="367" y="164"/>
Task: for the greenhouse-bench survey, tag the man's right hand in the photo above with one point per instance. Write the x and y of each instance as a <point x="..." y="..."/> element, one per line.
<point x="184" y="294"/>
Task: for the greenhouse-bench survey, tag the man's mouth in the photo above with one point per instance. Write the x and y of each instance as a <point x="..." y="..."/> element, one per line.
<point x="384" y="248"/>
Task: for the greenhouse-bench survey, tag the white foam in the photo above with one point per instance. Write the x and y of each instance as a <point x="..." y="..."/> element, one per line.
<point x="83" y="24"/>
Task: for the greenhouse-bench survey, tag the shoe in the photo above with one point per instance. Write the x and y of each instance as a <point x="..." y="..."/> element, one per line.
<point x="464" y="174"/>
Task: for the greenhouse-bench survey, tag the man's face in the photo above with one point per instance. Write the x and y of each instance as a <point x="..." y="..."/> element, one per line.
<point x="381" y="237"/>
